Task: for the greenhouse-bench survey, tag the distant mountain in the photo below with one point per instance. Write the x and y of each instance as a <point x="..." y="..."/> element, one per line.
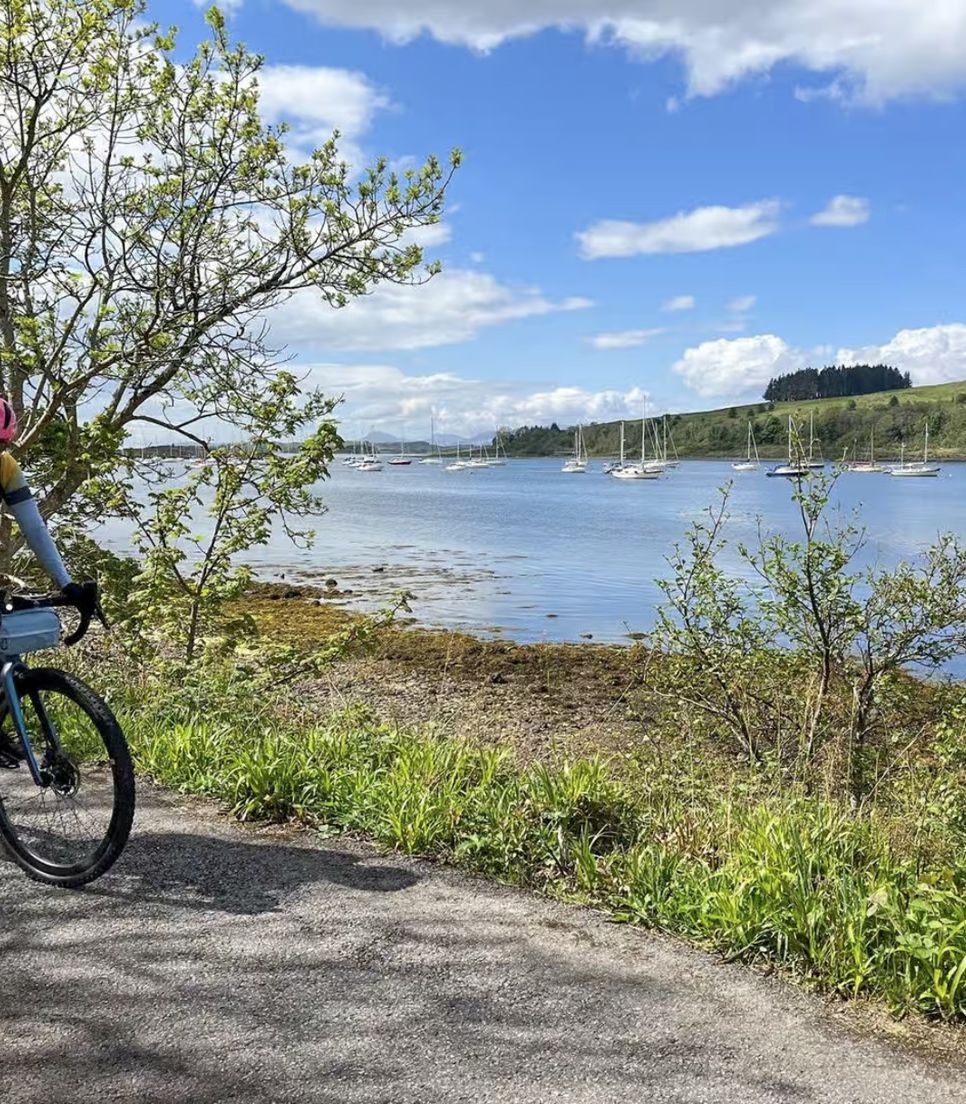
<point x="379" y="438"/>
<point x="447" y="440"/>
<point x="453" y="438"/>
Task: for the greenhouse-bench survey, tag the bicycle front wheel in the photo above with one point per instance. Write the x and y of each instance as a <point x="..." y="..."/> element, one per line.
<point x="71" y="828"/>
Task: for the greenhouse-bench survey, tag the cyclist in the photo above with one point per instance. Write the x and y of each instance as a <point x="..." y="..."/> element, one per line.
<point x="17" y="497"/>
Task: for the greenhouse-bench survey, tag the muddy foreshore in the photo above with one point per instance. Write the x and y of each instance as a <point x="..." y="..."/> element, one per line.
<point x="540" y="698"/>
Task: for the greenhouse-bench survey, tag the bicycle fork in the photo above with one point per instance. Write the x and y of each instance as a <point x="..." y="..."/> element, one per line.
<point x="8" y="685"/>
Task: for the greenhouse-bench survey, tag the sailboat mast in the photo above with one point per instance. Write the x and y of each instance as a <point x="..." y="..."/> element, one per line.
<point x="622" y="444"/>
<point x="925" y="450"/>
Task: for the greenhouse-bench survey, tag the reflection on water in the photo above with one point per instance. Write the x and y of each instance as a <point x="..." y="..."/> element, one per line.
<point x="537" y="555"/>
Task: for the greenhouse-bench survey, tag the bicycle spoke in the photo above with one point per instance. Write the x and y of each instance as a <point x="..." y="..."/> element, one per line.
<point x="66" y="820"/>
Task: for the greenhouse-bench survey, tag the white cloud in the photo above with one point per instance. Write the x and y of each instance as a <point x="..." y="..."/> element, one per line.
<point x="451" y="308"/>
<point x="430" y="236"/>
<point x="742" y="304"/>
<point x="381" y="396"/>
<point x="686" y="232"/>
<point x="870" y="51"/>
<point x="934" y="354"/>
<point x="738" y="366"/>
<point x="315" y="101"/>
<point x="625" y="339"/>
<point x="842" y="210"/>
<point x="477" y="257"/>
<point x="319" y="98"/>
<point x="678" y="303"/>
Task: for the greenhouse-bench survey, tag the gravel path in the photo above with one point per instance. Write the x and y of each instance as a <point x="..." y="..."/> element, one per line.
<point x="217" y="964"/>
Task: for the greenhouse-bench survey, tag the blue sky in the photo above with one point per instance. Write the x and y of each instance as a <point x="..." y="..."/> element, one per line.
<point x="789" y="177"/>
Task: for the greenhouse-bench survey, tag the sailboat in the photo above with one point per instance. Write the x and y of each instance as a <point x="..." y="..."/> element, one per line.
<point x="481" y="461"/>
<point x="637" y="471"/>
<point x="660" y="449"/>
<point x="794" y="469"/>
<point x="496" y="460"/>
<point x="748" y="464"/>
<point x="434" y="457"/>
<point x="402" y="460"/>
<point x="458" y="464"/>
<point x="868" y="466"/>
<point x="920" y="470"/>
<point x="370" y="461"/>
<point x="353" y="460"/>
<point x="610" y="468"/>
<point x="578" y="465"/>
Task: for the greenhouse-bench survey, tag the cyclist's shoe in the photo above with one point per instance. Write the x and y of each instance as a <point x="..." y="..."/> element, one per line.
<point x="11" y="752"/>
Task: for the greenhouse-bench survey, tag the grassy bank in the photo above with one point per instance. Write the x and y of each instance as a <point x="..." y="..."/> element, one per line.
<point x="747" y="862"/>
<point x="841" y="425"/>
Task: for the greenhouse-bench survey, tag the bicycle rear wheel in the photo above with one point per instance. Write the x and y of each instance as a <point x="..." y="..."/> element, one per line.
<point x="70" y="829"/>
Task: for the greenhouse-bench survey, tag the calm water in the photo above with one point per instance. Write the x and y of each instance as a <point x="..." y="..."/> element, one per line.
<point x="532" y="554"/>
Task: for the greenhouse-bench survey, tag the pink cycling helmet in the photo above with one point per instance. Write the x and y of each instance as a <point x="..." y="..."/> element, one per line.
<point x="8" y="422"/>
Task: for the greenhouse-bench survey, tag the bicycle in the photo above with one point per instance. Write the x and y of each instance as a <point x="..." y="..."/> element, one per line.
<point x="66" y="777"/>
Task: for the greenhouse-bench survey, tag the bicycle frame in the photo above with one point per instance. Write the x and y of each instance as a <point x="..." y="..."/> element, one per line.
<point x="12" y="701"/>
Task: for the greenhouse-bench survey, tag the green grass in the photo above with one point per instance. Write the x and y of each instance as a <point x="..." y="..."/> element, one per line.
<point x="840" y="430"/>
<point x="858" y="905"/>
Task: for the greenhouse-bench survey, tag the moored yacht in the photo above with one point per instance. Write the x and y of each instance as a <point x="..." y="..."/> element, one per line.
<point x="637" y="471"/>
<point x="748" y="464"/>
<point x="918" y="469"/>
<point x="793" y="469"/>
<point x="578" y="465"/>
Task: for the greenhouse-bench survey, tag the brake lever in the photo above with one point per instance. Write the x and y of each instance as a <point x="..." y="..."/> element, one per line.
<point x="79" y="632"/>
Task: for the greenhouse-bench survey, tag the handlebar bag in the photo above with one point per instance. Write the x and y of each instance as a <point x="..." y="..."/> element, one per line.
<point x="25" y="631"/>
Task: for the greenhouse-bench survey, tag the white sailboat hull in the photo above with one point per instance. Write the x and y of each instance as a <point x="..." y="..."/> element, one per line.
<point x="788" y="471"/>
<point x="636" y="473"/>
<point x="915" y="471"/>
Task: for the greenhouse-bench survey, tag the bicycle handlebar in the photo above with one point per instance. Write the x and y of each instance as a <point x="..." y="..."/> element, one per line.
<point x="88" y="607"/>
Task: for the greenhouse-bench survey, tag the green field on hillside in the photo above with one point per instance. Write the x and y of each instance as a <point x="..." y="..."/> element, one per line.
<point x="842" y="428"/>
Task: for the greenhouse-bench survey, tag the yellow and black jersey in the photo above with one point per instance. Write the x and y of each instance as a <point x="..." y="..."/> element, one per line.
<point x="13" y="486"/>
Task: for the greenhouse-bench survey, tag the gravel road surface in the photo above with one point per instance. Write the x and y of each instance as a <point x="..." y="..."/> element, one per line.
<point x="219" y="964"/>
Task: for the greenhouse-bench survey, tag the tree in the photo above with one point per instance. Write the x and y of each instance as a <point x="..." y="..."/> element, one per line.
<point x="836" y="381"/>
<point x="149" y="223"/>
<point x="812" y="625"/>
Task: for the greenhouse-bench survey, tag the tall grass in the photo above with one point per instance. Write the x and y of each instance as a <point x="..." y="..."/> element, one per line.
<point x="843" y="901"/>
